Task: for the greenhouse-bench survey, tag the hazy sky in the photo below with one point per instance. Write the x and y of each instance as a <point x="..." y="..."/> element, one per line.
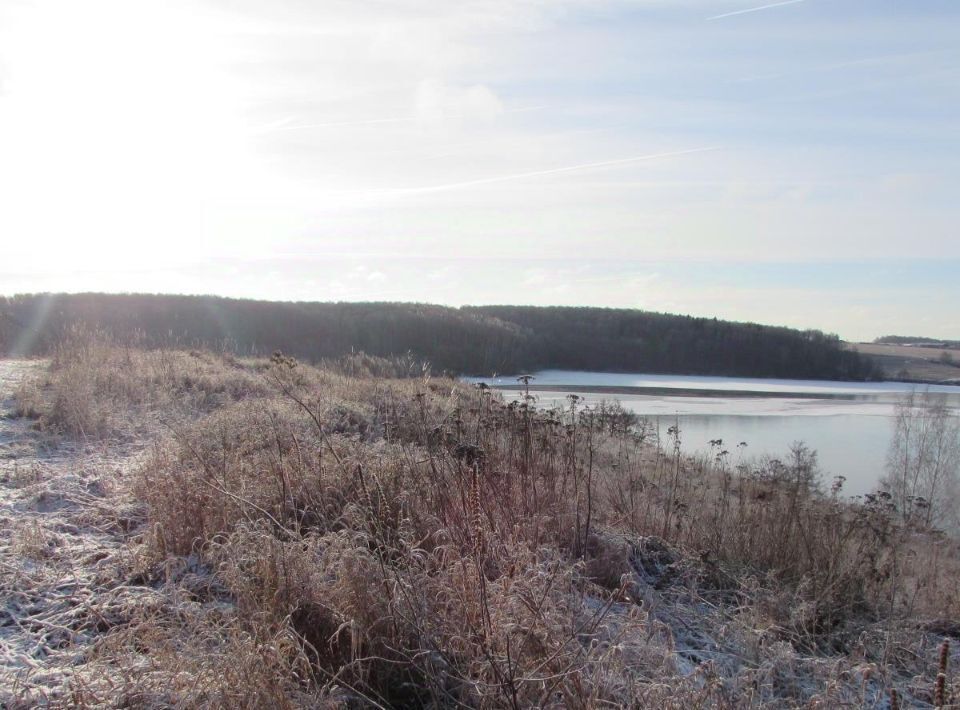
<point x="785" y="162"/>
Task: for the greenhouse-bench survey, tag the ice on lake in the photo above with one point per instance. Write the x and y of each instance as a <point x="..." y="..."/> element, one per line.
<point x="848" y="423"/>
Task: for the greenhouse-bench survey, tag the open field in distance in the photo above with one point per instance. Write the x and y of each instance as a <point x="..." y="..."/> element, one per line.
<point x="911" y="363"/>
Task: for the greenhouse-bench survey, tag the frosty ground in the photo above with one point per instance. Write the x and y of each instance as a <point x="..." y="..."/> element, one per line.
<point x="190" y="530"/>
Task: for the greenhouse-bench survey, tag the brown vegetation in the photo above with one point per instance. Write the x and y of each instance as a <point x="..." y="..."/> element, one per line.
<point x="324" y="537"/>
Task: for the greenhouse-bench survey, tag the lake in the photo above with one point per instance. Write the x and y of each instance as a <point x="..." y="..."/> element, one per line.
<point x="848" y="423"/>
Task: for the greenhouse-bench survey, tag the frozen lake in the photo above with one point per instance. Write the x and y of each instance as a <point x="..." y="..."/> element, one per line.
<point x="848" y="423"/>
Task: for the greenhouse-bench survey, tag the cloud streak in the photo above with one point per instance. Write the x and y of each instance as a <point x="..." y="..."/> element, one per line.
<point x="754" y="9"/>
<point x="551" y="171"/>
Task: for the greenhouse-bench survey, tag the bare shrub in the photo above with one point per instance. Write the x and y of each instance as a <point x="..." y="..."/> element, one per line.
<point x="923" y="463"/>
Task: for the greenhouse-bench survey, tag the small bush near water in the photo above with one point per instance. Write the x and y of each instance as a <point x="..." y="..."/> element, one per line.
<point x="328" y="538"/>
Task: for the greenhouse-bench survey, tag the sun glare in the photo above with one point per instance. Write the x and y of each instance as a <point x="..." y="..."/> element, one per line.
<point x="118" y="129"/>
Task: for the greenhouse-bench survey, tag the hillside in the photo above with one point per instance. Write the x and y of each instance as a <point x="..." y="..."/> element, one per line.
<point x="468" y="340"/>
<point x="916" y="363"/>
<point x="187" y="529"/>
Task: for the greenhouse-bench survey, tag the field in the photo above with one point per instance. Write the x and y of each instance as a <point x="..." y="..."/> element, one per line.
<point x="901" y="362"/>
<point x="189" y="529"/>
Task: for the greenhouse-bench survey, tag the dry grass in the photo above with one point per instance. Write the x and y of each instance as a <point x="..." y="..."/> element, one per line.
<point x="315" y="538"/>
<point x="94" y="391"/>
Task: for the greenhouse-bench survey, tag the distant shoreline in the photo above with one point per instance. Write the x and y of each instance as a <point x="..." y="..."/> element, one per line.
<point x="672" y="391"/>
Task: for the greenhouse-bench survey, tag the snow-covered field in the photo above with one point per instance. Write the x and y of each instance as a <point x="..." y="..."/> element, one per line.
<point x="64" y="526"/>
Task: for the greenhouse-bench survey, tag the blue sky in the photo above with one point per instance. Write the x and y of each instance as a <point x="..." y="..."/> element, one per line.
<point x="795" y="164"/>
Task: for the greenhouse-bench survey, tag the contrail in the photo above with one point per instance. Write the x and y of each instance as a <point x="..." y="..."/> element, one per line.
<point x="754" y="9"/>
<point x="551" y="171"/>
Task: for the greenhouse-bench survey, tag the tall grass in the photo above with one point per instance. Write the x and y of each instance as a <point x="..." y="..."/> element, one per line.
<point x="416" y="542"/>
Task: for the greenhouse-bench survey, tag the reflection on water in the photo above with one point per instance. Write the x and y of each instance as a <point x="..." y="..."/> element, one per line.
<point x="848" y="423"/>
<point x="850" y="445"/>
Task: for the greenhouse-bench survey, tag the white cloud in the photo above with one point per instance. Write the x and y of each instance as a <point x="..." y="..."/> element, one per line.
<point x="438" y="105"/>
<point x="179" y="133"/>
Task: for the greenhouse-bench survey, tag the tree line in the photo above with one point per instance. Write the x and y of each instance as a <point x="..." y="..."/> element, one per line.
<point x="469" y="340"/>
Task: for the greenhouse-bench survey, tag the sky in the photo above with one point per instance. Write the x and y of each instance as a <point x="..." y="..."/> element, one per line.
<point x="793" y="163"/>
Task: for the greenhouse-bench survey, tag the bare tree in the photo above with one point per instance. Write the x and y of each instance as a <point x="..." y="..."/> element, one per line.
<point x="923" y="461"/>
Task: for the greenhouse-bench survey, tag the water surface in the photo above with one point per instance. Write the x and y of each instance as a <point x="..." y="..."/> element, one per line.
<point x="848" y="423"/>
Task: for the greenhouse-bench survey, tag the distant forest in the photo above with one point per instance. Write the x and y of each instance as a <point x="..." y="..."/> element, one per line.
<point x="468" y="340"/>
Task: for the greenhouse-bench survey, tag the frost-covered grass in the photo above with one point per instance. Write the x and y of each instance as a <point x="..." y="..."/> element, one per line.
<point x="63" y="522"/>
<point x="195" y="531"/>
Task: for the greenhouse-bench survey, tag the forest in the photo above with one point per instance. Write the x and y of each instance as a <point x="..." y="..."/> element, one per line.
<point x="473" y="340"/>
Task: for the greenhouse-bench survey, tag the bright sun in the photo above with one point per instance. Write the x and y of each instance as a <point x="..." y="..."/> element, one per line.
<point x="119" y="128"/>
